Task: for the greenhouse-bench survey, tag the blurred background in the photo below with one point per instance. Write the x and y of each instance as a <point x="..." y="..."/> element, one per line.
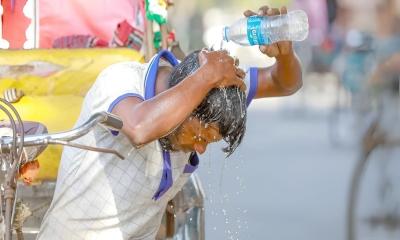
<point x="321" y="164"/>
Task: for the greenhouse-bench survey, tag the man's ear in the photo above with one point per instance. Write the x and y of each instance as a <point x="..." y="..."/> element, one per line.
<point x="203" y="56"/>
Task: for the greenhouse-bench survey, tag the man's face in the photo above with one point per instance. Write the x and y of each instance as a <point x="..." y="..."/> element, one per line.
<point x="194" y="135"/>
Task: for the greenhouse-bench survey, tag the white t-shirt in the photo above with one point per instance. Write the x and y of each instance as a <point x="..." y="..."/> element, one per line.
<point x="98" y="196"/>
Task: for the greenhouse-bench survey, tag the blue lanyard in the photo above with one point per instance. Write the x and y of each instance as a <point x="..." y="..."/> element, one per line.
<point x="150" y="91"/>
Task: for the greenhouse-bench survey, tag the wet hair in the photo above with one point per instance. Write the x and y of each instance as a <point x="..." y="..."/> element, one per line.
<point x="224" y="106"/>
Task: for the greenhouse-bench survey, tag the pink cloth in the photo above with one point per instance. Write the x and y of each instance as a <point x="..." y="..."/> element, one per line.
<point x="98" y="18"/>
<point x="79" y="41"/>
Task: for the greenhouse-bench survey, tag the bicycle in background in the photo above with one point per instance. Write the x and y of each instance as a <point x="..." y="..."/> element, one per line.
<point x="373" y="204"/>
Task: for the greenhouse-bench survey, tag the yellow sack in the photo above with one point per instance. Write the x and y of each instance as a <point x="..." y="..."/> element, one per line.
<point x="54" y="82"/>
<point x="57" y="71"/>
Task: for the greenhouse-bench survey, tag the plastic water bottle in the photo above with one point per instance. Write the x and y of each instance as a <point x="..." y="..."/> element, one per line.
<point x="264" y="30"/>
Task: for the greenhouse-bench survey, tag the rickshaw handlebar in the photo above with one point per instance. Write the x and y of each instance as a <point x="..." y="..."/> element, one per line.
<point x="107" y="119"/>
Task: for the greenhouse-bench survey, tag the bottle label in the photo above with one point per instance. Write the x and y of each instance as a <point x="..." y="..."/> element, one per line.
<point x="255" y="34"/>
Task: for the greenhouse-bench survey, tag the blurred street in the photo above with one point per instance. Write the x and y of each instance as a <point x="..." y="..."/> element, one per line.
<point x="287" y="181"/>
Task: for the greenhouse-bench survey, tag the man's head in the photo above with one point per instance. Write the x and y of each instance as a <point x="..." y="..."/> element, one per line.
<point x="221" y="115"/>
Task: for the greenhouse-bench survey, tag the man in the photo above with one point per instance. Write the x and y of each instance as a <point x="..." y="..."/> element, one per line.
<point x="169" y="114"/>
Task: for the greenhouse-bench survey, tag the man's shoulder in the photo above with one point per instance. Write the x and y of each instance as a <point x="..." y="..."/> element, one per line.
<point x="119" y="74"/>
<point x="125" y="66"/>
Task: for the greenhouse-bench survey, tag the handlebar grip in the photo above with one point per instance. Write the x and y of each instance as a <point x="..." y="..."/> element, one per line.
<point x="113" y="121"/>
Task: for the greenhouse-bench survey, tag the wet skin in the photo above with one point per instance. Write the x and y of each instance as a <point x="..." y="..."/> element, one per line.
<point x="29" y="172"/>
<point x="193" y="135"/>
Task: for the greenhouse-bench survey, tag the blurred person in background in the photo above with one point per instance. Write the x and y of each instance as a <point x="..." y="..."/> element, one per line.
<point x="317" y="12"/>
<point x="334" y="41"/>
<point x="387" y="48"/>
<point x="318" y="25"/>
<point x="329" y="22"/>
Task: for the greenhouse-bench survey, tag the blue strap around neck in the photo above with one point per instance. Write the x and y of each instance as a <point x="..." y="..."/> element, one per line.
<point x="151" y="75"/>
<point x="150" y="91"/>
<point x="166" y="177"/>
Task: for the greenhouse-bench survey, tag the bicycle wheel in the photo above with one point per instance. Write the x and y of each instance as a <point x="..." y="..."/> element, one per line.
<point x="374" y="200"/>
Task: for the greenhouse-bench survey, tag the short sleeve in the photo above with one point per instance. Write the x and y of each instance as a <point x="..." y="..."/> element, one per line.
<point x="251" y="81"/>
<point x="114" y="84"/>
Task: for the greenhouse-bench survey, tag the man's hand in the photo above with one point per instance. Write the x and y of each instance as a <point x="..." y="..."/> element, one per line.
<point x="277" y="49"/>
<point x="29" y="171"/>
<point x="221" y="69"/>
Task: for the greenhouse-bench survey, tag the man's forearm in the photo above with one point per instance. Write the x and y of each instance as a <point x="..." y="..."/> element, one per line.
<point x="158" y="116"/>
<point x="286" y="73"/>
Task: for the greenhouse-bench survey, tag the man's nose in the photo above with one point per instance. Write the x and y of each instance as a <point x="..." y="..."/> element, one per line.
<point x="200" y="147"/>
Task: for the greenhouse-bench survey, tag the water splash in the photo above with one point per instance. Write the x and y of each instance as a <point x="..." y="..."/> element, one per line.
<point x="232" y="222"/>
<point x="218" y="45"/>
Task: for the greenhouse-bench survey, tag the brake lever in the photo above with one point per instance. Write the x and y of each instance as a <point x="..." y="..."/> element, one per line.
<point x="94" y="149"/>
